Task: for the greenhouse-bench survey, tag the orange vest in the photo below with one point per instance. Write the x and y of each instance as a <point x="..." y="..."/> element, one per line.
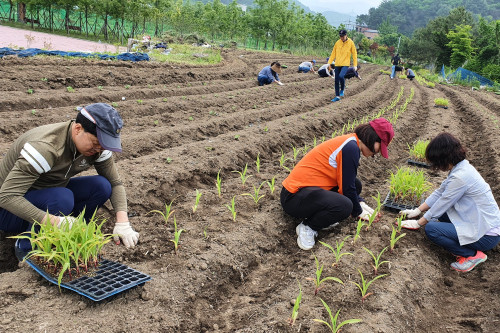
<point x="321" y="167"/>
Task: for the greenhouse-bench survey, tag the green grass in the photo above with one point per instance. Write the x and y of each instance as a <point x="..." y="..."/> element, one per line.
<point x="186" y="54"/>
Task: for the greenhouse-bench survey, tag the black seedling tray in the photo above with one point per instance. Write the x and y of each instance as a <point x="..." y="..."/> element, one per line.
<point x="392" y="206"/>
<point x="110" y="279"/>
<point x="417" y="163"/>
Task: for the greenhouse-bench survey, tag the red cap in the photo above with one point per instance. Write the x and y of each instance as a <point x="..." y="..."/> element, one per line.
<point x="385" y="132"/>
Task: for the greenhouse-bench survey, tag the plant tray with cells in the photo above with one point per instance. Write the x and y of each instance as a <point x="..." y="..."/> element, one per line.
<point x="71" y="258"/>
<point x="407" y="189"/>
<point x="417" y="154"/>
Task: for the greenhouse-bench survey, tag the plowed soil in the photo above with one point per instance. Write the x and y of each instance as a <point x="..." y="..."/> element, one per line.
<point x="184" y="124"/>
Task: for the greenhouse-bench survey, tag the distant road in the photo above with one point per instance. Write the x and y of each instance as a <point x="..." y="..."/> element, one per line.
<point x="17" y="38"/>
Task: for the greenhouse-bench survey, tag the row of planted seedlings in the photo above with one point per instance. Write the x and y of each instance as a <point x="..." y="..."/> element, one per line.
<point x="69" y="251"/>
<point x="397" y="112"/>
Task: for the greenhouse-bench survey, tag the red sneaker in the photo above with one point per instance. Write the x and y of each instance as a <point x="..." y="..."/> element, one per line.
<point x="467" y="264"/>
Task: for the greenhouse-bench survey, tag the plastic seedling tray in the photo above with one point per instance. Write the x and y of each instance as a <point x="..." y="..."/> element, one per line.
<point x="393" y="206"/>
<point x="110" y="279"/>
<point x="417" y="163"/>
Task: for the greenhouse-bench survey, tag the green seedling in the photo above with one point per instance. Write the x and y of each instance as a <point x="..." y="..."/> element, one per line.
<point x="177" y="235"/>
<point x="295" y="153"/>
<point x="334" y="328"/>
<point x="164" y="99"/>
<point x="150" y="86"/>
<point x="70" y="89"/>
<point x="257" y="163"/>
<point x="237" y="136"/>
<point x="168" y="212"/>
<point x="243" y="174"/>
<point x="305" y="149"/>
<point x="283" y="161"/>
<point x="271" y="184"/>
<point x="441" y="101"/>
<point x="197" y="200"/>
<point x="205" y="234"/>
<point x="296" y="305"/>
<point x="44" y="79"/>
<point x="219" y="184"/>
<point x="407" y="186"/>
<point x="376" y="259"/>
<point x="318" y="281"/>
<point x="127" y="86"/>
<point x="395" y="239"/>
<point x="114" y="104"/>
<point x="337" y="252"/>
<point x="169" y="160"/>
<point x="378" y="201"/>
<point x="30" y="91"/>
<point x="100" y="88"/>
<point x="417" y="150"/>
<point x="190" y="118"/>
<point x="399" y="222"/>
<point x="360" y="225"/>
<point x="256" y="193"/>
<point x="365" y="284"/>
<point x="232" y="208"/>
<point x="266" y="129"/>
<point x="33" y="112"/>
<point x="140" y="101"/>
<point x="156" y="122"/>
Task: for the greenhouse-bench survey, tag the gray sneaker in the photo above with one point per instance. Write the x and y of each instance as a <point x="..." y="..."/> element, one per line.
<point x="467" y="264"/>
<point x="305" y="238"/>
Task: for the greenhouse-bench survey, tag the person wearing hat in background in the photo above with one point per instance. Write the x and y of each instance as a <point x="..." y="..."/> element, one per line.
<point x="269" y="74"/>
<point x="342" y="52"/>
<point x="327" y="70"/>
<point x="462" y="215"/>
<point x="323" y="188"/>
<point x="36" y="174"/>
<point x="307" y="66"/>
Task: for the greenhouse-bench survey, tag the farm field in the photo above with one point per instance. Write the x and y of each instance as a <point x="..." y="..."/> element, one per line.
<point x="182" y="125"/>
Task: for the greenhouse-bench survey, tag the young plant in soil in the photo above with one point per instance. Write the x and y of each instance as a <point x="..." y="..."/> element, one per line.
<point x="441" y="102"/>
<point x="232" y="208"/>
<point x="197" y="200"/>
<point x="365" y="284"/>
<point x="177" y="235"/>
<point x="256" y="193"/>
<point x="243" y="174"/>
<point x="295" y="153"/>
<point x="360" y="225"/>
<point x="334" y="328"/>
<point x="399" y="221"/>
<point x="376" y="259"/>
<point x="67" y="252"/>
<point x="271" y="184"/>
<point x="257" y="163"/>
<point x="407" y="186"/>
<point x="70" y="89"/>
<point x="219" y="184"/>
<point x="295" y="310"/>
<point x="318" y="281"/>
<point x="395" y="239"/>
<point x="337" y="252"/>
<point x="417" y="150"/>
<point x="168" y="212"/>
<point x="283" y="161"/>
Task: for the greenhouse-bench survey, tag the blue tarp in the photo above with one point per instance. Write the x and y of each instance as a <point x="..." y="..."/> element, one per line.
<point x="467" y="75"/>
<point x="4" y="51"/>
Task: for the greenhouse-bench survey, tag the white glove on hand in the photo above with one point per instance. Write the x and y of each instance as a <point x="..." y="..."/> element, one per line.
<point x="367" y="211"/>
<point x="279" y="83"/>
<point x="411" y="213"/>
<point x="410" y="224"/>
<point x="128" y="235"/>
<point x="66" y="221"/>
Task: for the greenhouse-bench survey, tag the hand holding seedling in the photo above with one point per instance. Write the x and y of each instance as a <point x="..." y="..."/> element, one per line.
<point x="410" y="213"/>
<point x="367" y="212"/>
<point x="410" y="224"/>
<point x="125" y="232"/>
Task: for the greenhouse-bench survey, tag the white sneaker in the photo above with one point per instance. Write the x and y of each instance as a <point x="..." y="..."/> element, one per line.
<point x="305" y="239"/>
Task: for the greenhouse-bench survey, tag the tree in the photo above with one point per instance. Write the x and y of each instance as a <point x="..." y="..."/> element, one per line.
<point x="460" y="42"/>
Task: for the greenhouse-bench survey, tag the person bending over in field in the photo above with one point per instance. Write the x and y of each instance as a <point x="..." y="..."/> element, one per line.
<point x="327" y="70"/>
<point x="462" y="215"/>
<point x="36" y="174"/>
<point x="307" y="66"/>
<point x="352" y="72"/>
<point x="409" y="74"/>
<point x="342" y="51"/>
<point x="269" y="74"/>
<point x="322" y="189"/>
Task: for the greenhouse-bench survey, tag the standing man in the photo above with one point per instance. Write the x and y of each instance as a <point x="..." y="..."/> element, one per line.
<point x="36" y="181"/>
<point x="342" y="51"/>
<point x="395" y="65"/>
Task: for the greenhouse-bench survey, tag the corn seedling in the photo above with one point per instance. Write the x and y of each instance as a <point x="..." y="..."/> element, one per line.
<point x="257" y="163"/>
<point x="378" y="201"/>
<point x="271" y="184"/>
<point x="337" y="252"/>
<point x="164" y="99"/>
<point x="399" y="222"/>
<point x="376" y="259"/>
<point x="417" y="150"/>
<point x="334" y="327"/>
<point x="197" y="200"/>
<point x="190" y="118"/>
<point x="169" y="160"/>
<point x="395" y="239"/>
<point x="365" y="284"/>
<point x="140" y="101"/>
<point x="219" y="184"/>
<point x="305" y="149"/>
<point x="127" y="86"/>
<point x="70" y="89"/>
<point x="177" y="235"/>
<point x="296" y="305"/>
<point x="283" y="161"/>
<point x="256" y="193"/>
<point x="318" y="281"/>
<point x="373" y="218"/>
<point x="168" y="212"/>
<point x="232" y="208"/>
<point x="30" y="91"/>
<point x="295" y="153"/>
<point x="360" y="225"/>
<point x="237" y="136"/>
<point x="407" y="186"/>
<point x="33" y="112"/>
<point x="114" y="104"/>
<point x="100" y="88"/>
<point x="243" y="174"/>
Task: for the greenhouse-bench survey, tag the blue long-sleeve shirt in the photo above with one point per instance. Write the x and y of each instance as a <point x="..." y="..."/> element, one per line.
<point x="268" y="73"/>
<point x="467" y="199"/>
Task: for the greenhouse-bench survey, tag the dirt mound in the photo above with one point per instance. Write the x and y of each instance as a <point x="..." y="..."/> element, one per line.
<point x="183" y="125"/>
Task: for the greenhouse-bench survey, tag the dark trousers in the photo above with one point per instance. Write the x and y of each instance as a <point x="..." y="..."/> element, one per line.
<point x="318" y="207"/>
<point x="264" y="80"/>
<point x="323" y="73"/>
<point x="340" y="79"/>
<point x="89" y="193"/>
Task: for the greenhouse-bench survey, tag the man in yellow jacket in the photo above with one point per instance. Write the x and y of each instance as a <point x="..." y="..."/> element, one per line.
<point x="342" y="51"/>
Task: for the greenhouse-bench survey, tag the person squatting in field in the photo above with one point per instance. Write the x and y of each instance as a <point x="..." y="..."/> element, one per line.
<point x="36" y="174"/>
<point x="462" y="215"/>
<point x="342" y="51"/>
<point x="323" y="188"/>
<point x="269" y="74"/>
<point x="327" y="70"/>
<point x="409" y="74"/>
<point x="352" y="72"/>
<point x="307" y="66"/>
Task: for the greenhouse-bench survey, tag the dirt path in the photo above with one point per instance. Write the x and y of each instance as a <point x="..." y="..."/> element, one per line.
<point x="185" y="124"/>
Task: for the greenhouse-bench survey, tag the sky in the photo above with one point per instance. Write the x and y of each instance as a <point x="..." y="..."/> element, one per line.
<point x="356" y="7"/>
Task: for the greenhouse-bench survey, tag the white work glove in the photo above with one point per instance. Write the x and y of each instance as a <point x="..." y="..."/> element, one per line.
<point x="367" y="211"/>
<point x="66" y="222"/>
<point x="279" y="83"/>
<point x="410" y="224"/>
<point x="128" y="235"/>
<point x="411" y="213"/>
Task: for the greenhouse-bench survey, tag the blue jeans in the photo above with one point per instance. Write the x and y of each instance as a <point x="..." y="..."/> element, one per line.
<point x="264" y="80"/>
<point x="340" y="79"/>
<point x="393" y="71"/>
<point x="88" y="192"/>
<point x="304" y="69"/>
<point x="445" y="235"/>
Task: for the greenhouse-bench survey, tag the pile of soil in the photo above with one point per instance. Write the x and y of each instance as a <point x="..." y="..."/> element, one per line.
<point x="184" y="124"/>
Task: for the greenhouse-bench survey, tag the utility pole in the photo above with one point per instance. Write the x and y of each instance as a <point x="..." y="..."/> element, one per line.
<point x="399" y="41"/>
